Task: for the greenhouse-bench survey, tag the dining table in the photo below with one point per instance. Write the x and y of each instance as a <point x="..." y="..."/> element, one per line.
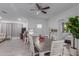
<point x="42" y="46"/>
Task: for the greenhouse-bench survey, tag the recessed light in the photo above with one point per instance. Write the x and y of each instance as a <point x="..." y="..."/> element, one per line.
<point x="0" y="17"/>
<point x="19" y="19"/>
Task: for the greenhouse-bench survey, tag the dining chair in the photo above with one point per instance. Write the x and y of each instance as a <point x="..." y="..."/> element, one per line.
<point x="56" y="48"/>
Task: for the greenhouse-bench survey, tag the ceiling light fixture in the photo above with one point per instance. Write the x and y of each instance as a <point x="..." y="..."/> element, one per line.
<point x="0" y="17"/>
<point x="19" y="19"/>
<point x="38" y="12"/>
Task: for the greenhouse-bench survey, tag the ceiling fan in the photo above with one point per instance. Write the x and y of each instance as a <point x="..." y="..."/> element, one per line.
<point x="41" y="9"/>
<point x="3" y="11"/>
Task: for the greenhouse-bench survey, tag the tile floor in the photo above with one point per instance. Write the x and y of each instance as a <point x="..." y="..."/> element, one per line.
<point x="14" y="47"/>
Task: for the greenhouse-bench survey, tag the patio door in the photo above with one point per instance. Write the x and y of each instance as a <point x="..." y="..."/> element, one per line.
<point x="11" y="29"/>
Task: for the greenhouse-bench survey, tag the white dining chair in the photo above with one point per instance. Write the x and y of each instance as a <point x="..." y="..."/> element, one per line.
<point x="31" y="46"/>
<point x="56" y="48"/>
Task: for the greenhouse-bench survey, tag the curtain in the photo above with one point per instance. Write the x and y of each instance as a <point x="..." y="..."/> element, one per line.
<point x="11" y="29"/>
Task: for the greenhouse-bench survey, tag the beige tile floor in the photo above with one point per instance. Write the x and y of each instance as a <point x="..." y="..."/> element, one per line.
<point x="14" y="47"/>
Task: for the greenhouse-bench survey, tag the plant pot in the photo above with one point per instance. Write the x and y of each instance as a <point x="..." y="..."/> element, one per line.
<point x="77" y="46"/>
<point x="73" y="44"/>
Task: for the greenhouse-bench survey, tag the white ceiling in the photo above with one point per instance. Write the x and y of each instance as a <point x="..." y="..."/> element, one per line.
<point x="22" y="10"/>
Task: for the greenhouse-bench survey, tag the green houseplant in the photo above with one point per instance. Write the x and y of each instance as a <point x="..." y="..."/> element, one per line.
<point x="72" y="26"/>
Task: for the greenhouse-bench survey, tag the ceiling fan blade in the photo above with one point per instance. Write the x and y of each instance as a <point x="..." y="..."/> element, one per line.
<point x="3" y="11"/>
<point x="45" y="8"/>
<point x="44" y="12"/>
<point x="38" y="6"/>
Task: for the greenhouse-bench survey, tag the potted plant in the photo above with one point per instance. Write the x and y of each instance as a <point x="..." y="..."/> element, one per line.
<point x="72" y="26"/>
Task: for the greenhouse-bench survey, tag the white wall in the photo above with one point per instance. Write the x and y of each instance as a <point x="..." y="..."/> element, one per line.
<point x="56" y="21"/>
<point x="53" y="22"/>
<point x="32" y="23"/>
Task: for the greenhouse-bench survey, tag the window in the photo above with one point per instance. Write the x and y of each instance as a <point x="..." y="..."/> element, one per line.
<point x="64" y="28"/>
<point x="39" y="26"/>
